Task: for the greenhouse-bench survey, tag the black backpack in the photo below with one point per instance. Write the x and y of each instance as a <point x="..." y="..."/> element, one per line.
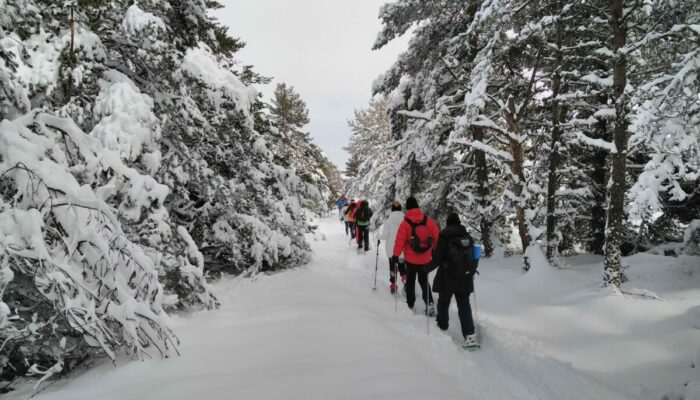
<point x="363" y="214"/>
<point x="415" y="241"/>
<point x="461" y="262"/>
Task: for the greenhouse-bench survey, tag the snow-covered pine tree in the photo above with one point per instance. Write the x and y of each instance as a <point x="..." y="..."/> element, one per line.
<point x="442" y="159"/>
<point x="129" y="160"/>
<point x="294" y="148"/>
<point x="496" y="69"/>
<point x="370" y="142"/>
<point x="665" y="128"/>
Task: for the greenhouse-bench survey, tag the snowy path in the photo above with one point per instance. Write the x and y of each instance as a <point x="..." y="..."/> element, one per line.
<point x="319" y="332"/>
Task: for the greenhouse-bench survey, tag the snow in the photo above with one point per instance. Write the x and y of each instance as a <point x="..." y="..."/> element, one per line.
<point x="136" y="20"/>
<point x="416" y="114"/>
<point x="320" y="332"/>
<point x="126" y="120"/>
<point x="200" y="63"/>
<point x="600" y="143"/>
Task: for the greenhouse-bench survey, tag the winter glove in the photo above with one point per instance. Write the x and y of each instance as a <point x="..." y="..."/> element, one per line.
<point x="395" y="260"/>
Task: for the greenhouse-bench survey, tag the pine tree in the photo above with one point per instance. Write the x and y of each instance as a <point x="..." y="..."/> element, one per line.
<point x="351" y="166"/>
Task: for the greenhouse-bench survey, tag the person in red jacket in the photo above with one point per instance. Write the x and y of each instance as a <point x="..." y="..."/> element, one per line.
<point x="417" y="250"/>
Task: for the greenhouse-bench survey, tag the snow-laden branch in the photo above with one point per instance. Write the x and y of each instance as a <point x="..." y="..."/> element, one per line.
<point x="599" y="143"/>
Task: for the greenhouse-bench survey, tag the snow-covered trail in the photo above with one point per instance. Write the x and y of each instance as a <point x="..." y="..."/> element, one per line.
<point x="320" y="332"/>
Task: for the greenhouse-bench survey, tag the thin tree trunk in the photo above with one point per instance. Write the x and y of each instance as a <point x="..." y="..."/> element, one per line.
<point x="612" y="274"/>
<point x="517" y="177"/>
<point x="482" y="175"/>
<point x="599" y="176"/>
<point x="553" y="175"/>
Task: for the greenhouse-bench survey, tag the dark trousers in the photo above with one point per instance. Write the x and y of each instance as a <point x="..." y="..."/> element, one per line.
<point x="420" y="272"/>
<point x="464" y="311"/>
<point x="401" y="266"/>
<point x="348" y="227"/>
<point x="352" y="229"/>
<point x="363" y="232"/>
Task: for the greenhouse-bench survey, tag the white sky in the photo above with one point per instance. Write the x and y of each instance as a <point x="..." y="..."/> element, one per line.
<point x="322" y="48"/>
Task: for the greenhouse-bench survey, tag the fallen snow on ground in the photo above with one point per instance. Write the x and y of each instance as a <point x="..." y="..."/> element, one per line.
<point x="320" y="332"/>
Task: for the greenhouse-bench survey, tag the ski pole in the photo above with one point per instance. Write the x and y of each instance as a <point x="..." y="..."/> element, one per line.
<point x="396" y="282"/>
<point x="376" y="263"/>
<point x="475" y="309"/>
<point x="427" y="300"/>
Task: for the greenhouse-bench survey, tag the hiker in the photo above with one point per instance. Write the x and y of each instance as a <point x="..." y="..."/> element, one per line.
<point x="416" y="238"/>
<point x="350" y="218"/>
<point x="341" y="202"/>
<point x="354" y="216"/>
<point x="391" y="226"/>
<point x="344" y="218"/>
<point x="455" y="276"/>
<point x="362" y="218"/>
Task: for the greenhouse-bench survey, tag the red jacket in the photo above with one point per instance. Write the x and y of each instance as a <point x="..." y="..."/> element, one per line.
<point x="403" y="238"/>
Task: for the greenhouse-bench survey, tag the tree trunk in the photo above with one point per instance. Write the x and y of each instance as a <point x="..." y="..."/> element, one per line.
<point x="599" y="176"/>
<point x="553" y="174"/>
<point x="517" y="177"/>
<point x="612" y="274"/>
<point x="482" y="175"/>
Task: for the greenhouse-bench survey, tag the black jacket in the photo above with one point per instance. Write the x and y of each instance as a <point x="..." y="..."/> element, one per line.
<point x="445" y="282"/>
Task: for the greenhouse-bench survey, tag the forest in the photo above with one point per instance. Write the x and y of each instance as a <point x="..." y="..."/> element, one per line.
<point x="557" y="126"/>
<point x="137" y="161"/>
<point x="143" y="172"/>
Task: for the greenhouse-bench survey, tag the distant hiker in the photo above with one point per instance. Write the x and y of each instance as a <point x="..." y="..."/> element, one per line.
<point x="362" y="218"/>
<point x="341" y="202"/>
<point x="354" y="216"/>
<point x="391" y="227"/>
<point x="455" y="276"/>
<point x="416" y="238"/>
<point x="350" y="218"/>
<point x="344" y="218"/>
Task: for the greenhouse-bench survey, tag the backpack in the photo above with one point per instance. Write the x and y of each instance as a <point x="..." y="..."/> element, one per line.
<point x="463" y="255"/>
<point x="415" y="241"/>
<point x="349" y="210"/>
<point x="363" y="214"/>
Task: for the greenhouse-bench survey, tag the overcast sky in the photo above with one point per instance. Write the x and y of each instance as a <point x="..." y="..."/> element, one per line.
<point x="322" y="48"/>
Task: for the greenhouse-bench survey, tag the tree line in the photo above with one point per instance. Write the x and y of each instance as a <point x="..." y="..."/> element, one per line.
<point x="137" y="162"/>
<point x="573" y="124"/>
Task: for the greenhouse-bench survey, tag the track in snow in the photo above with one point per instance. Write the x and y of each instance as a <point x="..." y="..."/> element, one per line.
<point x="319" y="332"/>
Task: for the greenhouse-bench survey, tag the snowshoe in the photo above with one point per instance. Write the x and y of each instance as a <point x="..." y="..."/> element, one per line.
<point x="470" y="343"/>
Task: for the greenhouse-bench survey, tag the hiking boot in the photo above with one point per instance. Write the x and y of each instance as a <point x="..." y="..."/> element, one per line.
<point x="470" y="342"/>
<point x="393" y="287"/>
<point x="431" y="310"/>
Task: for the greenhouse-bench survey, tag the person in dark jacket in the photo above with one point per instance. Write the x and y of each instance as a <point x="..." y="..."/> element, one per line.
<point x="454" y="279"/>
<point x="362" y="219"/>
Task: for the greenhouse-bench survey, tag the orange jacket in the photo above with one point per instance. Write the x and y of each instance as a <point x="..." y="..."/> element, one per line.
<point x="350" y="213"/>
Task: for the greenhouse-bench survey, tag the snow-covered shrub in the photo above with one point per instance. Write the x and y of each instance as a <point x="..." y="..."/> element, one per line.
<point x="63" y="251"/>
<point x="691" y="240"/>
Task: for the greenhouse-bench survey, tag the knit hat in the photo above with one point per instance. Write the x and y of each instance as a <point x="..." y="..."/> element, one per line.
<point x="396" y="206"/>
<point x="453" y="219"/>
<point x="411" y="203"/>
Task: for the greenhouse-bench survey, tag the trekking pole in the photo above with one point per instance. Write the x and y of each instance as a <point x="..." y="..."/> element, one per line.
<point x="427" y="301"/>
<point x="376" y="263"/>
<point x="475" y="312"/>
<point x="396" y="282"/>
